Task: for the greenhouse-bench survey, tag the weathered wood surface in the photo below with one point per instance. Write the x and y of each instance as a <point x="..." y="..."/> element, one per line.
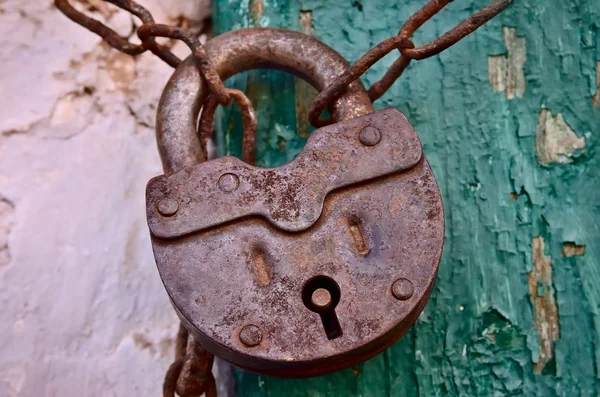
<point x="509" y="121"/>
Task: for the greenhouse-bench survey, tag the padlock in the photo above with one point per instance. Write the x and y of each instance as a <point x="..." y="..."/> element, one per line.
<point x="309" y="267"/>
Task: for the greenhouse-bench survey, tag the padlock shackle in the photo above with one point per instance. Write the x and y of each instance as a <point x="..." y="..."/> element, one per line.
<point x="235" y="52"/>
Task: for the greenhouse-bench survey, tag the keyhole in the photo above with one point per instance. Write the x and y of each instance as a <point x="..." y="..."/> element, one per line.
<point x="321" y="294"/>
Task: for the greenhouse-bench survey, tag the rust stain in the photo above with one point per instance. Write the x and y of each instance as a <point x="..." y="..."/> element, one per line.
<point x="572" y="249"/>
<point x="395" y="205"/>
<point x="358" y="237"/>
<point x="260" y="267"/>
<point x="545" y="311"/>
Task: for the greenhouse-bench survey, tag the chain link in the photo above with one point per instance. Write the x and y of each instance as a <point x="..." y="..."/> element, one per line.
<point x="112" y="38"/>
<point x="190" y="374"/>
<point x="148" y="31"/>
<point x="248" y="121"/>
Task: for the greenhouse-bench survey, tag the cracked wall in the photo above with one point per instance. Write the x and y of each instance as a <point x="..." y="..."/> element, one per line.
<point x="83" y="307"/>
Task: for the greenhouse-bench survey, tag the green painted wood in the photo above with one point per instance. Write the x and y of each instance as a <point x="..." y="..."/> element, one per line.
<point x="501" y="298"/>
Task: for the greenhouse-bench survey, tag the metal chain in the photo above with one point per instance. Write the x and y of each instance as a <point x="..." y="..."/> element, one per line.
<point x="147" y="32"/>
<point x="248" y="121"/>
<point x="190" y="374"/>
<point x="407" y="50"/>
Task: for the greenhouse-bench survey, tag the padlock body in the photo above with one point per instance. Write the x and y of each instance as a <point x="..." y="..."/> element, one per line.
<point x="242" y="256"/>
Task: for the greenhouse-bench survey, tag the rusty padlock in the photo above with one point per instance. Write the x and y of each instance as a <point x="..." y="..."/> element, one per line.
<point x="309" y="267"/>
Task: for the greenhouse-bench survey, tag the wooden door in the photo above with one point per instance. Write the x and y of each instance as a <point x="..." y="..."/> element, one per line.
<point x="509" y="121"/>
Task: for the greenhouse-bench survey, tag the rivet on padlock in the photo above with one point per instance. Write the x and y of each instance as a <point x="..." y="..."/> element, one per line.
<point x="305" y="268"/>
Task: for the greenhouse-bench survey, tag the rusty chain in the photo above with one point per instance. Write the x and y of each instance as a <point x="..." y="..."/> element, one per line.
<point x="147" y="33"/>
<point x="408" y="52"/>
<point x="149" y="30"/>
<point x="190" y="374"/>
<point x="248" y="120"/>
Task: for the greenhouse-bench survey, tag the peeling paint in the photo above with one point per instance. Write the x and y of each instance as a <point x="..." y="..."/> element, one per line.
<point x="499" y="330"/>
<point x="545" y="310"/>
<point x="505" y="73"/>
<point x="497" y="72"/>
<point x="517" y="55"/>
<point x="256" y="9"/>
<point x="555" y="141"/>
<point x="571" y="249"/>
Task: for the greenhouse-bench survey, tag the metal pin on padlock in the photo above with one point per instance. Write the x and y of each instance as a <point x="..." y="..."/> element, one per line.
<point x="305" y="268"/>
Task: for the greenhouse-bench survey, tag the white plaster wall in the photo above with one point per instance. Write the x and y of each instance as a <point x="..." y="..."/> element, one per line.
<point x="83" y="311"/>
